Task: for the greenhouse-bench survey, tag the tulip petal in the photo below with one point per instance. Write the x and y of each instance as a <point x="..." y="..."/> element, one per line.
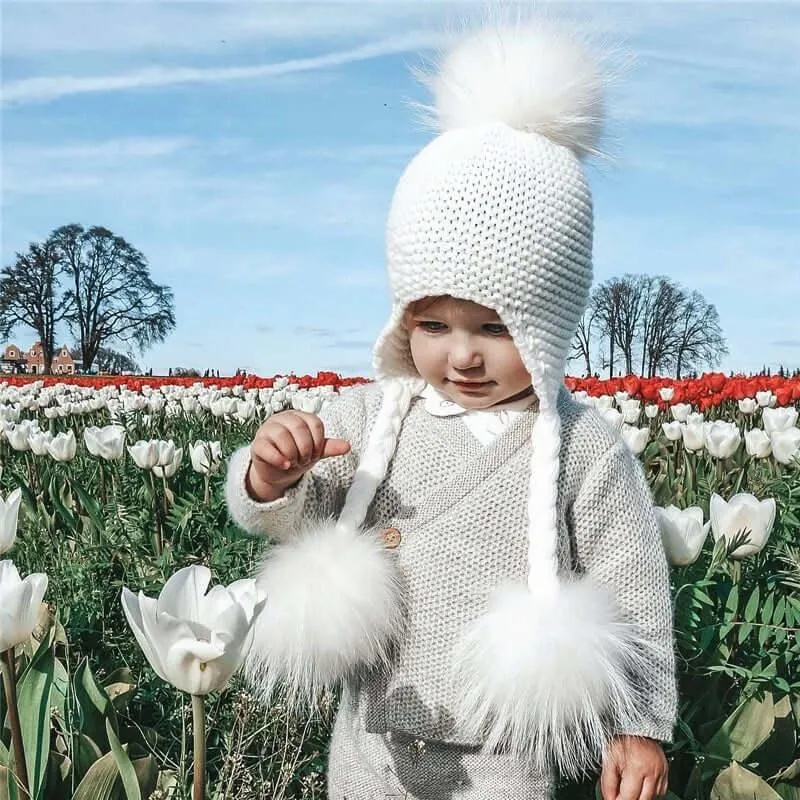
<point x="182" y="595"/>
<point x="131" y="605"/>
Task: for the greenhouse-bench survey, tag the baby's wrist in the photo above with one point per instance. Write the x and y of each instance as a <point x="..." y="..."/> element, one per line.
<point x="263" y="492"/>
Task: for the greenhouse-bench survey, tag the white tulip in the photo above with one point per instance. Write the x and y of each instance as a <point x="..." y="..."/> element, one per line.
<point x="786" y="446"/>
<point x="107" y="442"/>
<point x="612" y="417"/>
<point x="40" y="442"/>
<point x="156" y="403"/>
<point x="19" y="604"/>
<point x="631" y="411"/>
<point x="635" y="438"/>
<point x="134" y="402"/>
<point x="194" y="640"/>
<point x="9" y="513"/>
<point x="693" y="437"/>
<point x="9" y="414"/>
<point x="144" y="453"/>
<point x="748" y="405"/>
<point x="757" y="443"/>
<point x="206" y="457"/>
<point x="779" y="419"/>
<point x="672" y="430"/>
<point x="722" y="439"/>
<point x="245" y="410"/>
<point x="167" y="470"/>
<point x="190" y="404"/>
<point x="166" y="452"/>
<point x="682" y="533"/>
<point x="695" y="418"/>
<point x="603" y="402"/>
<point x="764" y="398"/>
<point x="17" y="436"/>
<point x="620" y="398"/>
<point x="680" y="411"/>
<point x="742" y="513"/>
<point x="63" y="446"/>
<point x="666" y="393"/>
<point x="651" y="411"/>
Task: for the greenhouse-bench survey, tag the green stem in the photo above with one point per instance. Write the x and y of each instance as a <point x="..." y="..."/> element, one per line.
<point x="10" y="684"/>
<point x="158" y="536"/>
<point x="199" y="729"/>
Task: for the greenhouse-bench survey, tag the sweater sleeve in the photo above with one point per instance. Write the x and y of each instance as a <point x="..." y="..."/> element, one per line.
<point x="618" y="543"/>
<point x="319" y="494"/>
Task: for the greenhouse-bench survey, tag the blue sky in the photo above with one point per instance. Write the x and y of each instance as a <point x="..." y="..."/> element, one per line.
<point x="250" y="151"/>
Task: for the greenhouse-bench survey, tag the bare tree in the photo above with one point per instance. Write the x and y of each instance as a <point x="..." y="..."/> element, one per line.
<point x="605" y="302"/>
<point x="581" y="343"/>
<point x="109" y="360"/>
<point x="30" y="296"/>
<point x="700" y="339"/>
<point x="663" y="317"/>
<point x="112" y="297"/>
<point x="630" y="291"/>
<point x="672" y="329"/>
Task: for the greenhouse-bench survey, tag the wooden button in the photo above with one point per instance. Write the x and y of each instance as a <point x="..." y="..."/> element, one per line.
<point x="391" y="537"/>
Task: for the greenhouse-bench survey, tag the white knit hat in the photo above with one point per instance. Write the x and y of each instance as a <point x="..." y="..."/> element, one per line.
<point x="495" y="210"/>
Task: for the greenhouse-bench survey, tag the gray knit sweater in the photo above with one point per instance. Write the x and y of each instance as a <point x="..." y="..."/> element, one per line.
<point x="460" y="508"/>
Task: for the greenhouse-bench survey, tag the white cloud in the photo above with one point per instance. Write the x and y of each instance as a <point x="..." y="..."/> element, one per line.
<point x="39" y="29"/>
<point x="43" y="89"/>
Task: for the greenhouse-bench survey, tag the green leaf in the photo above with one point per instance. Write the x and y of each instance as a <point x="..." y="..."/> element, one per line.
<point x="8" y="785"/>
<point x="85" y="753"/>
<point x="91" y="506"/>
<point x="791" y="773"/>
<point x="33" y="699"/>
<point x="732" y="603"/>
<point x="751" y="609"/>
<point x="94" y="706"/>
<point x="99" y="781"/>
<point x="738" y="783"/>
<point x="780" y="611"/>
<point x="130" y="782"/>
<point x="744" y="632"/>
<point x="67" y="517"/>
<point x="768" y="608"/>
<point x="745" y="729"/>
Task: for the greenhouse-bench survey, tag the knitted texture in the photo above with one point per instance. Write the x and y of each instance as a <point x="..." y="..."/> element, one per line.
<point x="461" y="510"/>
<point x="499" y="217"/>
<point x="397" y="765"/>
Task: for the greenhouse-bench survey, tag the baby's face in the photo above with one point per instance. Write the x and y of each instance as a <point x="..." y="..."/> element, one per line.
<point x="458" y="340"/>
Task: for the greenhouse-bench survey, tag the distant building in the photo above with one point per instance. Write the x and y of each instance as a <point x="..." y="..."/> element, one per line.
<point x="16" y="360"/>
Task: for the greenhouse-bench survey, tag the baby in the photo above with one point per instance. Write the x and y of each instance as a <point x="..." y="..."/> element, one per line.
<point x="470" y="553"/>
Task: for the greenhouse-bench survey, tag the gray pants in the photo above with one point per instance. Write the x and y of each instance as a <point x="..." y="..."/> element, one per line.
<point x="393" y="766"/>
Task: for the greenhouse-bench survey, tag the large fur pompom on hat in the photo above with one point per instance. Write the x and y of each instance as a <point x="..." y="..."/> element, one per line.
<point x="530" y="75"/>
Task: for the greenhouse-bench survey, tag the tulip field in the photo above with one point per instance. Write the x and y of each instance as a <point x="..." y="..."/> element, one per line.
<point x="126" y="603"/>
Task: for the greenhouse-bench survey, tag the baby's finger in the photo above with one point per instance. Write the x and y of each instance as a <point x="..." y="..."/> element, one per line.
<point x="284" y="441"/>
<point x="264" y="450"/>
<point x="317" y="429"/>
<point x="303" y="439"/>
<point x="335" y="447"/>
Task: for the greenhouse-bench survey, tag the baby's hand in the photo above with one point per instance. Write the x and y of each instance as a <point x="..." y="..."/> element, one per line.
<point x="634" y="768"/>
<point x="287" y="445"/>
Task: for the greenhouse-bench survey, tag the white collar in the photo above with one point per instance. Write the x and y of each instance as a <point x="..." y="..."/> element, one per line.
<point x="439" y="405"/>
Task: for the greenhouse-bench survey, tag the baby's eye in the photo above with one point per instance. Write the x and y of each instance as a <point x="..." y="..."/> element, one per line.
<point x="496" y="328"/>
<point x="431" y="326"/>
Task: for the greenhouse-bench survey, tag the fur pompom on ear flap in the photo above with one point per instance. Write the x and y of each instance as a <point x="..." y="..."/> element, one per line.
<point x="335" y="603"/>
<point x="548" y="678"/>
